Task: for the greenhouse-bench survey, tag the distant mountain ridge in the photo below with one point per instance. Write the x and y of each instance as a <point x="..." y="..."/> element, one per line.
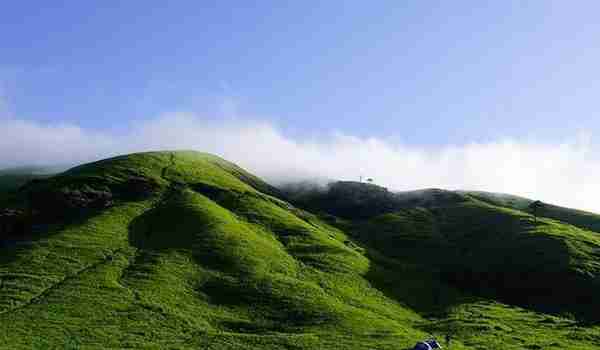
<point x="13" y="178"/>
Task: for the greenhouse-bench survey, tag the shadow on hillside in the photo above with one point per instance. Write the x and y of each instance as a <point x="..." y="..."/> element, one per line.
<point x="169" y="227"/>
<point x="482" y="254"/>
<point x="501" y="261"/>
<point x="43" y="207"/>
<point x="435" y="294"/>
<point x="148" y="231"/>
<point x="19" y="241"/>
<point x="419" y="289"/>
<point x="532" y="271"/>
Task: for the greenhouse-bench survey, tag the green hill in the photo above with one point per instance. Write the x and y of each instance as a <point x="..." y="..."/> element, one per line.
<point x="482" y="248"/>
<point x="579" y="218"/>
<point x="186" y="250"/>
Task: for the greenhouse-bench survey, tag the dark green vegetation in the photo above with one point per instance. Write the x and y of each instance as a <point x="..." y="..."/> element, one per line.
<point x="185" y="250"/>
<point x="9" y="183"/>
<point x="482" y="248"/>
<point x="13" y="178"/>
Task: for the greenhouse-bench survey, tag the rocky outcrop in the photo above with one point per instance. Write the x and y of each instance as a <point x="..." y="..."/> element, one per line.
<point x="54" y="204"/>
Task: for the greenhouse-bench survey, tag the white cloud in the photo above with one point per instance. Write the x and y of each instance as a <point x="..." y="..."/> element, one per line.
<point x="564" y="173"/>
<point x="24" y="142"/>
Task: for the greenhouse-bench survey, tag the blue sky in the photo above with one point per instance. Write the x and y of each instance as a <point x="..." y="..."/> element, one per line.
<point x="499" y="96"/>
<point x="419" y="72"/>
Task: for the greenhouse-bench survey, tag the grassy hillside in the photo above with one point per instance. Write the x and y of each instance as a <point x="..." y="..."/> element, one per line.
<point x="579" y="218"/>
<point x="496" y="253"/>
<point x="185" y="250"/>
<point x="199" y="256"/>
<point x="485" y="249"/>
<point x="477" y="244"/>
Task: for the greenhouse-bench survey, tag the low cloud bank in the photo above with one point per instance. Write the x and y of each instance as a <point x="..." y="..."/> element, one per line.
<point x="564" y="173"/>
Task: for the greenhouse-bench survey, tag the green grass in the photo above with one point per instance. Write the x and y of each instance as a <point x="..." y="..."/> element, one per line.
<point x="496" y="252"/>
<point x="579" y="218"/>
<point x="214" y="258"/>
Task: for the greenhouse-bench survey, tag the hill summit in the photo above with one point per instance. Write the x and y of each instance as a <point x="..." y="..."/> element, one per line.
<point x="186" y="250"/>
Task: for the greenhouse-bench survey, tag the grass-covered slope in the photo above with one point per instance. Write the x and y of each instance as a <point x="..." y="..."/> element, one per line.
<point x="186" y="250"/>
<point x="579" y="218"/>
<point x="497" y="253"/>
<point x="181" y="249"/>
<point x="488" y="251"/>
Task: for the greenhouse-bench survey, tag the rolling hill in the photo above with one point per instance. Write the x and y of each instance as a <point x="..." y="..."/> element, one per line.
<point x="185" y="250"/>
<point x="579" y="218"/>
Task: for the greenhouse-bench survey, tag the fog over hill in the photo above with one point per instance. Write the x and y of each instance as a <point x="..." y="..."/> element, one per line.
<point x="564" y="172"/>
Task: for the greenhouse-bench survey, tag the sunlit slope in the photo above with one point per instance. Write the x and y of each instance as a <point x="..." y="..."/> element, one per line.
<point x="579" y="218"/>
<point x="184" y="249"/>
